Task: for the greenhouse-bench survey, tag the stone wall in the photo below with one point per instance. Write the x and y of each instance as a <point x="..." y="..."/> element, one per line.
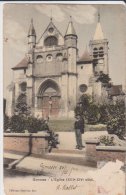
<point x="96" y="152"/>
<point x="35" y="143"/>
<point x="91" y="149"/>
<point x="111" y="153"/>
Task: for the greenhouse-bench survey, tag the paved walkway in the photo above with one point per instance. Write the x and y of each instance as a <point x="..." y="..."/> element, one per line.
<point x="68" y="140"/>
<point x="42" y="166"/>
<point x="60" y="170"/>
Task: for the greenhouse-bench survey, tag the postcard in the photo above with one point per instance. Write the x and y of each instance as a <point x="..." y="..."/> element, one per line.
<point x="64" y="69"/>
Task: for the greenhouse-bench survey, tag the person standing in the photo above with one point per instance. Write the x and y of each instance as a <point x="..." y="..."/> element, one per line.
<point x="79" y="130"/>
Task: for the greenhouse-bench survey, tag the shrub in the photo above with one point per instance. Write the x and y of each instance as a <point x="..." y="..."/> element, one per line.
<point x="103" y="113"/>
<point x="116" y="119"/>
<point x="34" y="125"/>
<point x="112" y="114"/>
<point x="21" y="105"/>
<point x="88" y="109"/>
<point x="20" y="123"/>
<point x="107" y="141"/>
<point x="92" y="114"/>
<point x="17" y="123"/>
<point x="6" y="122"/>
<point x="104" y="79"/>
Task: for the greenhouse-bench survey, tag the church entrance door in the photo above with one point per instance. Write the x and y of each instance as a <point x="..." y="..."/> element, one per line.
<point x="49" y="94"/>
<point x="50" y="106"/>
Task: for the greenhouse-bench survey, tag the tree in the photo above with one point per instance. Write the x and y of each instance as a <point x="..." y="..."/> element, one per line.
<point x="21" y="106"/>
<point x="104" y="79"/>
<point x="6" y="122"/>
<point x="112" y="114"/>
<point x="116" y="119"/>
<point x="88" y="109"/>
<point x="82" y="105"/>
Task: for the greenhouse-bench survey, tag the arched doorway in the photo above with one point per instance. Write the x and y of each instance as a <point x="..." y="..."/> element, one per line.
<point x="49" y="98"/>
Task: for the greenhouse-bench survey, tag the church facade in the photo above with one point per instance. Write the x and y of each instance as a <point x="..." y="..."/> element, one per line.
<point x="52" y="75"/>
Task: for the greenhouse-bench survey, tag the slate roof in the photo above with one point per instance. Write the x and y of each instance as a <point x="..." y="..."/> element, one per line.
<point x="98" y="32"/>
<point x="31" y="29"/>
<point x="23" y="64"/>
<point x="70" y="29"/>
<point x="85" y="57"/>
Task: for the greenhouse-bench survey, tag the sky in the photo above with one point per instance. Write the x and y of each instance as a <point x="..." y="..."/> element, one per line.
<point x="17" y="19"/>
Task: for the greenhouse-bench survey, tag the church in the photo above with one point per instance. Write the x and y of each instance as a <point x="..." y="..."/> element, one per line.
<point x="53" y="76"/>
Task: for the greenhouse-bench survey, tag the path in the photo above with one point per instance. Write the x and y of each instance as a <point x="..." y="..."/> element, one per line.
<point x="66" y="155"/>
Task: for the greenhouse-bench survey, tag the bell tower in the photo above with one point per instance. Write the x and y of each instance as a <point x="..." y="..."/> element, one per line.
<point x="99" y="50"/>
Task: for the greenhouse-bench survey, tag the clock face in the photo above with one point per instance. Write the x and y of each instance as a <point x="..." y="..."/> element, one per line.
<point x="51" y="30"/>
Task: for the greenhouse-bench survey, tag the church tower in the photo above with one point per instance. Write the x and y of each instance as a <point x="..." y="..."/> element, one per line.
<point x="99" y="50"/>
<point x="30" y="64"/>
<point x="31" y="36"/>
<point x="71" y="44"/>
<point x="70" y="76"/>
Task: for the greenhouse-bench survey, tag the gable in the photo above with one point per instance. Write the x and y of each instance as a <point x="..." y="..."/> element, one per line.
<point x="53" y="35"/>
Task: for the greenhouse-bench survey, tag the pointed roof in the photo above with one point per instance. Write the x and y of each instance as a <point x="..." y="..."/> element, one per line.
<point x="98" y="32"/>
<point x="22" y="64"/>
<point x="85" y="57"/>
<point x="51" y="24"/>
<point x="70" y="29"/>
<point x="31" y="31"/>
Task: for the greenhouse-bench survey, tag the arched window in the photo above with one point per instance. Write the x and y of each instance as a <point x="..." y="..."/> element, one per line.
<point x="49" y="57"/>
<point x="95" y="52"/>
<point x="98" y="52"/>
<point x="101" y="48"/>
<point x="51" y="41"/>
<point x="101" y="52"/>
<point x="59" y="57"/>
<point x="95" y="49"/>
<point x="23" y="86"/>
<point x="95" y="55"/>
<point x="39" y="59"/>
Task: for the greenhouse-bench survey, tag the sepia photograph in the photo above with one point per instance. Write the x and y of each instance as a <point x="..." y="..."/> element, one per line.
<point x="64" y="98"/>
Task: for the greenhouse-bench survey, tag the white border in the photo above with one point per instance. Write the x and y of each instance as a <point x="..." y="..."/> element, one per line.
<point x="66" y="2"/>
<point x="1" y="99"/>
<point x="1" y="62"/>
